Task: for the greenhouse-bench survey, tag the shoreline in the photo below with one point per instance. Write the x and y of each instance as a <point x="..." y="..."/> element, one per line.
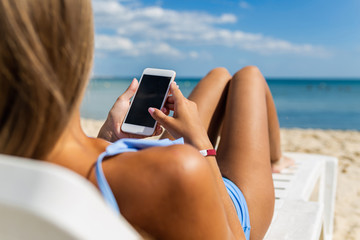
<point x="343" y="144"/>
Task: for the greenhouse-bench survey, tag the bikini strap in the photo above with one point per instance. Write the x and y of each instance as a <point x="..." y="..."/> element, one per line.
<point x="104" y="185"/>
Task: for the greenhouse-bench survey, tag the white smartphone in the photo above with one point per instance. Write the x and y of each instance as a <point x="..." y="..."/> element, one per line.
<point x="152" y="92"/>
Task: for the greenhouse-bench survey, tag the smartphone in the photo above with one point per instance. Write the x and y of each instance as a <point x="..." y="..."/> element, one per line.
<point x="153" y="90"/>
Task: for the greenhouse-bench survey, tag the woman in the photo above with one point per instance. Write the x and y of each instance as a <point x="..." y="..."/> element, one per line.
<point x="173" y="192"/>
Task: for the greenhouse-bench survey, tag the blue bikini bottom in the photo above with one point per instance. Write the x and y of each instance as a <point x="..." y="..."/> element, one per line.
<point x="239" y="201"/>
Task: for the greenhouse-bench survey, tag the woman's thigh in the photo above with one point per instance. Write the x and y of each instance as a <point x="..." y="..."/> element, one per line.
<point x="244" y="153"/>
<point x="210" y="96"/>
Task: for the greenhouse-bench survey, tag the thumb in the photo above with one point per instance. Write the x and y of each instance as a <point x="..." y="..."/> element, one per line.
<point x="130" y="91"/>
<point x="159" y="116"/>
<point x="176" y="92"/>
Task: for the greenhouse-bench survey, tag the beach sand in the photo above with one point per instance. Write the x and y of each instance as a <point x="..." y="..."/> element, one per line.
<point x="345" y="145"/>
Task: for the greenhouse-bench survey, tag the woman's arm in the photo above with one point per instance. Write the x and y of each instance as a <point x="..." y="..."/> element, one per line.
<point x="185" y="122"/>
<point x="169" y="192"/>
<point x="175" y="180"/>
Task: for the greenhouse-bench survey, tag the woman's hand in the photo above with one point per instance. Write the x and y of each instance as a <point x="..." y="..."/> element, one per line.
<point x="111" y="129"/>
<point x="185" y="121"/>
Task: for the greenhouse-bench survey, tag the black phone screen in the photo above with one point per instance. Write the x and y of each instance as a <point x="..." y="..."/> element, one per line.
<point x="151" y="93"/>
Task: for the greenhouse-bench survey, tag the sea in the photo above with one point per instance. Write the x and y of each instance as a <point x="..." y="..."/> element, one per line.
<point x="301" y="103"/>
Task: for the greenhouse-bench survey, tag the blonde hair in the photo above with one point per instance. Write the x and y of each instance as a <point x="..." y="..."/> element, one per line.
<point x="46" y="51"/>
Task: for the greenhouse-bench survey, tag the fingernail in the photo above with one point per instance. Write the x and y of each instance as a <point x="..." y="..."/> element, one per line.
<point x="151" y="110"/>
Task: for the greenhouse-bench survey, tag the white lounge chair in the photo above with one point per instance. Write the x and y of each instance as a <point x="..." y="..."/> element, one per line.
<point x="305" y="199"/>
<point x="40" y="200"/>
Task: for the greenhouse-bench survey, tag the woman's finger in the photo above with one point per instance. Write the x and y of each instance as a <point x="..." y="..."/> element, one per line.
<point x="170" y="99"/>
<point x="169" y="106"/>
<point x="176" y="93"/>
<point x="158" y="130"/>
<point x="165" y="110"/>
<point x="130" y="91"/>
<point x="160" y="117"/>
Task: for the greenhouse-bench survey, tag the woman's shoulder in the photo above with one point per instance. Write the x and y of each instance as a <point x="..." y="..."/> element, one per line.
<point x="129" y="156"/>
<point x="142" y="165"/>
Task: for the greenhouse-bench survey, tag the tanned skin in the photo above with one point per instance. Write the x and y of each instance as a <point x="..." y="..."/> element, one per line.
<point x="174" y="192"/>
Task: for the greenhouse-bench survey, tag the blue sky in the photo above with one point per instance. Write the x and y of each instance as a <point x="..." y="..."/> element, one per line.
<point x="284" y="38"/>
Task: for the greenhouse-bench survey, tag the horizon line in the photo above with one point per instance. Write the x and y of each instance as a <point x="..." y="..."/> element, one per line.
<point x="266" y="77"/>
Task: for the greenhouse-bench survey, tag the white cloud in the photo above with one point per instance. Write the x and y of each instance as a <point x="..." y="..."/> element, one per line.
<point x="138" y="30"/>
<point x="130" y="48"/>
<point x="194" y="54"/>
<point x="106" y="42"/>
<point x="107" y="7"/>
<point x="244" y="5"/>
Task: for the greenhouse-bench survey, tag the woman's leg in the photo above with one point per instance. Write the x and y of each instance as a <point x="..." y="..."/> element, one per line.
<point x="250" y="124"/>
<point x="210" y="95"/>
<point x="278" y="161"/>
<point x="249" y="109"/>
<point x="251" y="134"/>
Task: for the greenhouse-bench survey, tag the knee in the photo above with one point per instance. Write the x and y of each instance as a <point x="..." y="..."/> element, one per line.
<point x="221" y="73"/>
<point x="250" y="70"/>
<point x="249" y="73"/>
<point x="220" y="70"/>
